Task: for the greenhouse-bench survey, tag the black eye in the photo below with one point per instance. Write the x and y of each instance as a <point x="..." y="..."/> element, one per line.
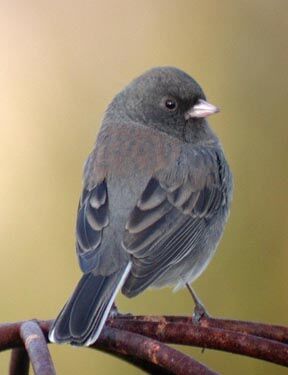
<point x="171" y="104"/>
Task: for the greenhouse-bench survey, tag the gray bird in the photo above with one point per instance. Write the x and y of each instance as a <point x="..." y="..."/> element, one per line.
<point x="157" y="191"/>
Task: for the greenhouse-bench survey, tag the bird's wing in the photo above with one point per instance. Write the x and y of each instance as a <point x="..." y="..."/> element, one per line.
<point x="171" y="216"/>
<point x="91" y="220"/>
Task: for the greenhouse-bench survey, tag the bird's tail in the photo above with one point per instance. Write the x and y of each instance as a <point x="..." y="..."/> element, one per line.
<point x="81" y="320"/>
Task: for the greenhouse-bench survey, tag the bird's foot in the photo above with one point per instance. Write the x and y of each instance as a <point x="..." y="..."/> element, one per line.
<point x="199" y="313"/>
<point x="114" y="313"/>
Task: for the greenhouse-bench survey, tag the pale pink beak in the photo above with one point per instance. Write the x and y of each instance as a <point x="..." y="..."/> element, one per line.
<point x="201" y="109"/>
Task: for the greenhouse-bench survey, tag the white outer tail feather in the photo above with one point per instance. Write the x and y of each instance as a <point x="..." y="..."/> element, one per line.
<point x="93" y="338"/>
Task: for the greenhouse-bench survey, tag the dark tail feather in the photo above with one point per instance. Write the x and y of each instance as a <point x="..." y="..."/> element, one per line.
<point x="81" y="320"/>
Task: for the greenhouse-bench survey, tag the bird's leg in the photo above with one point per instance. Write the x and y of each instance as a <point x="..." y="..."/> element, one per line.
<point x="114" y="313"/>
<point x="199" y="310"/>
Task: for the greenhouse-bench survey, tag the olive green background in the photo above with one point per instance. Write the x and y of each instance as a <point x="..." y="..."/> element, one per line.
<point x="61" y="62"/>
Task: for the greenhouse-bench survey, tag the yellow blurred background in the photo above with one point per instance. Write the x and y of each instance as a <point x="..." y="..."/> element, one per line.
<point x="61" y="63"/>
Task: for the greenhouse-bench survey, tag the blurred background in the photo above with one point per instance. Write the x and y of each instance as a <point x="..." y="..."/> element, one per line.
<point x="61" y="63"/>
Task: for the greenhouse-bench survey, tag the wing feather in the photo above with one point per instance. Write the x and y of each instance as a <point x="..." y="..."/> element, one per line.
<point x="91" y="220"/>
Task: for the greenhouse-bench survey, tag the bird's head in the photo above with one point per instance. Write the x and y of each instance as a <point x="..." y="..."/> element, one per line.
<point x="167" y="99"/>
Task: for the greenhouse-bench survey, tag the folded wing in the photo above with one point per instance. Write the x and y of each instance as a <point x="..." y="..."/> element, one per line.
<point x="91" y="220"/>
<point x="170" y="217"/>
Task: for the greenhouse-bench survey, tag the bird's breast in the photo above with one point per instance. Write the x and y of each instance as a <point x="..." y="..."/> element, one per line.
<point x="125" y="151"/>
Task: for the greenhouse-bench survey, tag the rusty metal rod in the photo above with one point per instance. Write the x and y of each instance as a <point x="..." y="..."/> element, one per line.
<point x="36" y="346"/>
<point x="150" y="350"/>
<point x="19" y="363"/>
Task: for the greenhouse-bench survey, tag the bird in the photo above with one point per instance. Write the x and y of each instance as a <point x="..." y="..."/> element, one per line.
<point x="157" y="191"/>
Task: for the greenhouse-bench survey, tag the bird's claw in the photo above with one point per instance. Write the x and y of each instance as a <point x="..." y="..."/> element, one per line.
<point x="199" y="313"/>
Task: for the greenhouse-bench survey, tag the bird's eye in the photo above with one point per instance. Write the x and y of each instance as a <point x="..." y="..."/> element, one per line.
<point x="171" y="104"/>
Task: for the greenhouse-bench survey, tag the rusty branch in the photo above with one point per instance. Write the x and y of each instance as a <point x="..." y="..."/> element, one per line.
<point x="36" y="346"/>
<point x="152" y="351"/>
<point x="140" y="339"/>
<point x="145" y="366"/>
<point x="268" y="331"/>
<point x="19" y="363"/>
<point x="208" y="337"/>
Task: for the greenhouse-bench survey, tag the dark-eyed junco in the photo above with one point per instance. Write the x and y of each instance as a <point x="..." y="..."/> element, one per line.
<point x="157" y="191"/>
